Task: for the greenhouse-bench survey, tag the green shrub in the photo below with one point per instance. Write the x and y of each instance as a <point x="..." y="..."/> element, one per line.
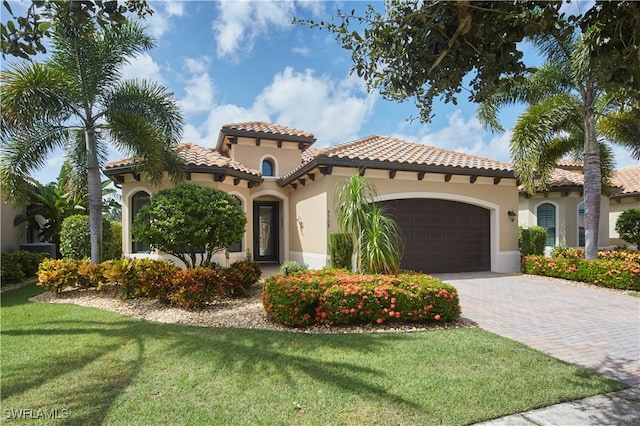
<point x="240" y="276"/>
<point x="605" y="272"/>
<point x="340" y="250"/>
<point x="288" y="268"/>
<point x="113" y="247"/>
<point x="531" y="241"/>
<point x="628" y="226"/>
<point x="17" y="266"/>
<point x="10" y="271"/>
<point x="190" y="222"/>
<point x="75" y="239"/>
<point x="340" y="297"/>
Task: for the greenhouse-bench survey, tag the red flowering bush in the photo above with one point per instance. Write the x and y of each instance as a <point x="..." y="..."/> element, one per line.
<point x="606" y="272"/>
<point x="341" y="297"/>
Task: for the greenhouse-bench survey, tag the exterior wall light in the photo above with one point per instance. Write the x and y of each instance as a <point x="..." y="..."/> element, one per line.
<point x="512" y="215"/>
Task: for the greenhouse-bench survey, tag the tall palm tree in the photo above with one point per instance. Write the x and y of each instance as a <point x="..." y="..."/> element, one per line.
<point x="566" y="108"/>
<point x="76" y="100"/>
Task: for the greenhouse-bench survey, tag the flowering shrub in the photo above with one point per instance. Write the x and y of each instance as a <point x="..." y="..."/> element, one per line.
<point x="607" y="272"/>
<point x="341" y="297"/>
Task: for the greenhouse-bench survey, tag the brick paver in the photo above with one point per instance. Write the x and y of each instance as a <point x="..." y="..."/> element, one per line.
<point x="595" y="329"/>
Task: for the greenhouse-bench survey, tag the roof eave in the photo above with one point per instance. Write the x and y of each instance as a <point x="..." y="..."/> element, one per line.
<point x="395" y="166"/>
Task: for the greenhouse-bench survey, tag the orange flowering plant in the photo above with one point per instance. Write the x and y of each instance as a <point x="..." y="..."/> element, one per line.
<point x="339" y="297"/>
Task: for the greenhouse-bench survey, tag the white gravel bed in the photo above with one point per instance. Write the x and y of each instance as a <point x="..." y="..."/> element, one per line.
<point x="246" y="312"/>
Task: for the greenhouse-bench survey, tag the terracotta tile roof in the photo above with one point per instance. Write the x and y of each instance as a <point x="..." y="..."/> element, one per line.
<point x="570" y="164"/>
<point x="267" y="128"/>
<point x="561" y="178"/>
<point x="393" y="150"/>
<point x="628" y="179"/>
<point x="197" y="156"/>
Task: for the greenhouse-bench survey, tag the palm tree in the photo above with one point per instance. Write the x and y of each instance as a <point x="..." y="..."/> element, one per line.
<point x="376" y="237"/>
<point x="566" y="108"/>
<point x="76" y="100"/>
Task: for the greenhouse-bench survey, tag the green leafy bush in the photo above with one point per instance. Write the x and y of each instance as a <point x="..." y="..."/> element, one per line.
<point x="340" y="250"/>
<point x="531" y="241"/>
<point x="340" y="297"/>
<point x="628" y="226"/>
<point x="605" y="272"/>
<point x="75" y="239"/>
<point x="190" y="222"/>
<point x="288" y="268"/>
<point x="16" y="266"/>
<point x="240" y="276"/>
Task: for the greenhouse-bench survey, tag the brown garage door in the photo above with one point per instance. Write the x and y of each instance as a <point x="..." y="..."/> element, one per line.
<point x="442" y="236"/>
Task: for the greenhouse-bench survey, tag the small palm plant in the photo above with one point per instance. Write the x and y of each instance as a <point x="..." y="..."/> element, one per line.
<point x="376" y="237"/>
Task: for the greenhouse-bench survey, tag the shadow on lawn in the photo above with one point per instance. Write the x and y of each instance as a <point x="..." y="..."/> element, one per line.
<point x="119" y="351"/>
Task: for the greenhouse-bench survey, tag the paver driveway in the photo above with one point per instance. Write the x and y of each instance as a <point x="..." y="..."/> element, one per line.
<point x="595" y="329"/>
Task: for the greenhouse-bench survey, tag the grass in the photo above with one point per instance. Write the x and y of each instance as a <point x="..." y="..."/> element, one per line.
<point x="105" y="368"/>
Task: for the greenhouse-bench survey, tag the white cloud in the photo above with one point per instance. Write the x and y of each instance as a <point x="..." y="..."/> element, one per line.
<point x="240" y="23"/>
<point x="160" y="22"/>
<point x="334" y="112"/>
<point x="199" y="91"/>
<point x="143" y="67"/>
<point x="467" y="136"/>
<point x="197" y="65"/>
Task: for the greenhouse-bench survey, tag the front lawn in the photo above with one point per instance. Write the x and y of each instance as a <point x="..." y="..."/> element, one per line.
<point x="97" y="367"/>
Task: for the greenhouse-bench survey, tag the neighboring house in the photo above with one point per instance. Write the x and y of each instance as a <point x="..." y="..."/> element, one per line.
<point x="452" y="208"/>
<point x="627" y="198"/>
<point x="11" y="237"/>
<point x="560" y="210"/>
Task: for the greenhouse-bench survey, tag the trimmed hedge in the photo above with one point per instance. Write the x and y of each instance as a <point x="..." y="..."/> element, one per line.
<point x="334" y="296"/>
<point x="606" y="272"/>
<point x="157" y="279"/>
<point x="17" y="266"/>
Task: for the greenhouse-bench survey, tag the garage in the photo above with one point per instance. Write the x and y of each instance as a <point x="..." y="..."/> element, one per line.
<point x="442" y="235"/>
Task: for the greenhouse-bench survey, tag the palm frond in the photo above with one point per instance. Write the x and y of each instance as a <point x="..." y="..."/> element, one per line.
<point x="535" y="132"/>
<point x="622" y="128"/>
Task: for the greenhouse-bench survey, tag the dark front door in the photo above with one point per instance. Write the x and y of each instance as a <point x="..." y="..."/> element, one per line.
<point x="266" y="231"/>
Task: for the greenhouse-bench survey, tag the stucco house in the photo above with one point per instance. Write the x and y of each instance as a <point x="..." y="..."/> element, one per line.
<point x="560" y="210"/>
<point x="456" y="211"/>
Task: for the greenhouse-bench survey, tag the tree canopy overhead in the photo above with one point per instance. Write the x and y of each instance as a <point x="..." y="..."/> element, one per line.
<point x="23" y="36"/>
<point x="427" y="50"/>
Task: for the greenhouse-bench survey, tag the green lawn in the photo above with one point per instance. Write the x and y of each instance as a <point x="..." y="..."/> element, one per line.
<point x="102" y="368"/>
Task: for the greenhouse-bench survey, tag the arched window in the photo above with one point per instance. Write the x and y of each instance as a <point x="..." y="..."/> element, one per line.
<point x="268" y="168"/>
<point x="236" y="247"/>
<point x="138" y="200"/>
<point x="546" y="213"/>
<point x="581" y="238"/>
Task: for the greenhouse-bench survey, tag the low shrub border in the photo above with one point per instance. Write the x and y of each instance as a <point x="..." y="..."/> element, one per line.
<point x="157" y="279"/>
<point x="607" y="272"/>
<point x="337" y="297"/>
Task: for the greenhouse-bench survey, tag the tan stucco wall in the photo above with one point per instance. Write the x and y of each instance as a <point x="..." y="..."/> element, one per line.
<point x="566" y="216"/>
<point x="11" y="236"/>
<point x="286" y="158"/>
<point x="617" y="206"/>
<point x="313" y="204"/>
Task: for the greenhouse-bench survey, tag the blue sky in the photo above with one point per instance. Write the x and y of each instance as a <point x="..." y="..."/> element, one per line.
<point x="234" y="61"/>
